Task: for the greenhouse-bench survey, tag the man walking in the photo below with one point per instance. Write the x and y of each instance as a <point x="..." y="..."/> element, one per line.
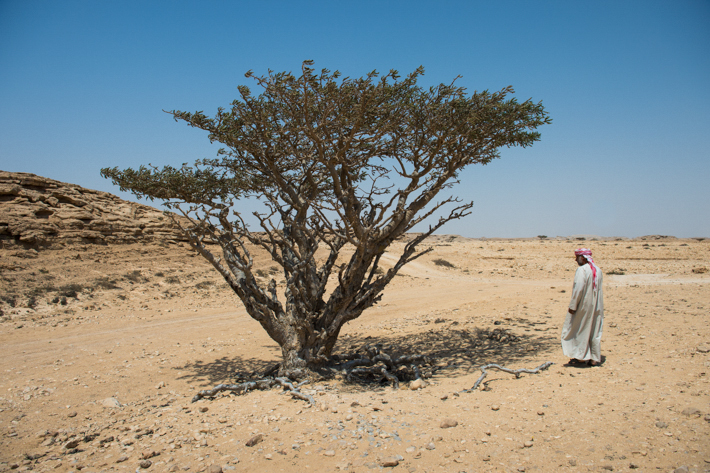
<point x="582" y="331"/>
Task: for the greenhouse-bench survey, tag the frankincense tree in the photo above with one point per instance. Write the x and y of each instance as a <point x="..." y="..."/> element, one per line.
<point x="334" y="161"/>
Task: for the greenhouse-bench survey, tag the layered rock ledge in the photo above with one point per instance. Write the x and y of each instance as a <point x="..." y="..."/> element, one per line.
<point x="38" y="211"/>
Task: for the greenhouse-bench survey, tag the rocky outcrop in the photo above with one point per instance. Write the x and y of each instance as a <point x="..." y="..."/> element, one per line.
<point x="38" y="211"/>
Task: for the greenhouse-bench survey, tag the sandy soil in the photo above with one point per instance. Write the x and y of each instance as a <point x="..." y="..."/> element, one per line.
<point x="149" y="326"/>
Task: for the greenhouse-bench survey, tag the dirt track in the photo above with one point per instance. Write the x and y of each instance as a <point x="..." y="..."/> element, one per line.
<point x="151" y="325"/>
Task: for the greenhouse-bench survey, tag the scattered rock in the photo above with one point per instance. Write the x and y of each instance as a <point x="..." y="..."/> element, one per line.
<point x="661" y="425"/>
<point x="703" y="349"/>
<point x="607" y="467"/>
<point x="389" y="462"/>
<point x="146" y="454"/>
<point x="691" y="412"/>
<point x="73" y="443"/>
<point x="343" y="465"/>
<point x="528" y="444"/>
<point x="681" y="469"/>
<point x="254" y="440"/>
<point x="72" y="414"/>
<point x="214" y="469"/>
<point x="111" y="402"/>
<point x="121" y="459"/>
<point x="633" y="466"/>
<point x="329" y="453"/>
<point x="448" y="423"/>
<point x="495" y="407"/>
<point x="204" y="409"/>
<point x="411" y="449"/>
<point x="430" y="446"/>
<point x="417" y="384"/>
<point x="145" y="464"/>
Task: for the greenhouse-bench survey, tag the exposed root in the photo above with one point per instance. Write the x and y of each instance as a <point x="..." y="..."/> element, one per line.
<point x="370" y="362"/>
<point x="517" y="373"/>
<point x="376" y="363"/>
<point x="262" y="384"/>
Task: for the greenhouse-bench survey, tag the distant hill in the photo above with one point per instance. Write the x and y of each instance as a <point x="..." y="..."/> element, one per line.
<point x="41" y="212"/>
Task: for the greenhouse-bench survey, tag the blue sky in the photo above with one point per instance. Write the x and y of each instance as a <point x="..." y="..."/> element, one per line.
<point x="83" y="85"/>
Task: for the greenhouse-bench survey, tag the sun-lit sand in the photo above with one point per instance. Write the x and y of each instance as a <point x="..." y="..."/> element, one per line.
<point x="150" y="325"/>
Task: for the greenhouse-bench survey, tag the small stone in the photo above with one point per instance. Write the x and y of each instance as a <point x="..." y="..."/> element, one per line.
<point x="572" y="462"/>
<point x="681" y="469"/>
<point x="254" y="440"/>
<point x="160" y="385"/>
<point x="268" y="456"/>
<point x="146" y="454"/>
<point x="633" y="466"/>
<point x="389" y="462"/>
<point x="349" y="417"/>
<point x="72" y="444"/>
<point x="707" y="417"/>
<point x="72" y="414"/>
<point x="411" y="449"/>
<point x="417" y="384"/>
<point x="661" y="425"/>
<point x="486" y="458"/>
<point x="214" y="469"/>
<point x="607" y="467"/>
<point x="343" y="465"/>
<point x="111" y="402"/>
<point x="704" y="349"/>
<point x="495" y="407"/>
<point x="448" y="423"/>
<point x="145" y="464"/>
<point x="528" y="444"/>
<point x="430" y="446"/>
<point x="204" y="409"/>
<point x="521" y="469"/>
<point x="691" y="412"/>
<point x="121" y="459"/>
<point x="540" y="413"/>
<point x="329" y="453"/>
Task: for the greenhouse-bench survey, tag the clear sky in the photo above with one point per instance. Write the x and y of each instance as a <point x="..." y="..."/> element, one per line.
<point x="627" y="84"/>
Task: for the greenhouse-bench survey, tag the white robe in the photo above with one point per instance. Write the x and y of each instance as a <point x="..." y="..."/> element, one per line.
<point x="582" y="332"/>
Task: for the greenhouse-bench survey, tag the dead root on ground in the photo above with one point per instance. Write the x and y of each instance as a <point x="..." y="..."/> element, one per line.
<point x="370" y="363"/>
<point x="517" y="373"/>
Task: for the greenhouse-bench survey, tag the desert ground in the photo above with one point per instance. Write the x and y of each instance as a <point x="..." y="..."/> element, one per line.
<point x="104" y="347"/>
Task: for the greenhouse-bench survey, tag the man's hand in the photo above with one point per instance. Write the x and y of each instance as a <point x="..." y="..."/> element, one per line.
<point x="572" y="311"/>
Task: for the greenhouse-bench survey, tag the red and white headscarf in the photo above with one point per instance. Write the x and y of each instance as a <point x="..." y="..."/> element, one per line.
<point x="587" y="253"/>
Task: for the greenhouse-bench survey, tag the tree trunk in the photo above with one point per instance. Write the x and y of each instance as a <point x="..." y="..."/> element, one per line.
<point x="301" y="354"/>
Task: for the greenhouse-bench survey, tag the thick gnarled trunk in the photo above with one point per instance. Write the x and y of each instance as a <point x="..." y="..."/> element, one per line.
<point x="301" y="355"/>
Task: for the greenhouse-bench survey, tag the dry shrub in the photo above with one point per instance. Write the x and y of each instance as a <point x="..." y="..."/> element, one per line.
<point x="443" y="262"/>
